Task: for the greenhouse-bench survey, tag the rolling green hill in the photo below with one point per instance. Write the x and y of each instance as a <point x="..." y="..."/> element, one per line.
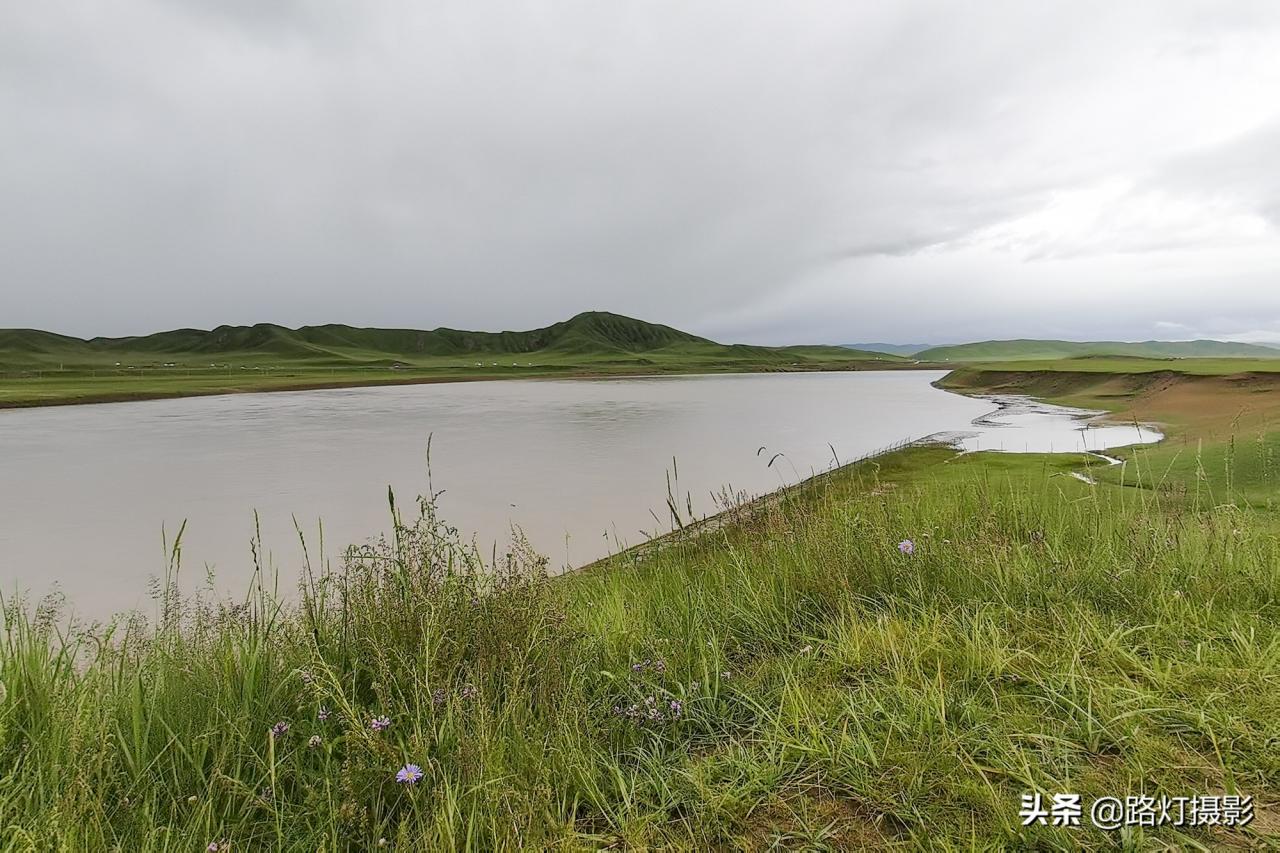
<point x="17" y="342"/>
<point x="590" y="335"/>
<point x="592" y="332"/>
<point x="41" y="368"/>
<point x="1018" y="350"/>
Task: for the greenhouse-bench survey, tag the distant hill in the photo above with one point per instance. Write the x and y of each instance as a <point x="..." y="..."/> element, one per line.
<point x="591" y="335"/>
<point x="890" y="349"/>
<point x="592" y="332"/>
<point x="36" y="341"/>
<point x="1021" y="350"/>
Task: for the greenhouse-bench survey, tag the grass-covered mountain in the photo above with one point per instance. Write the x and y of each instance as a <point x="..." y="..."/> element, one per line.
<point x="586" y="337"/>
<point x="1019" y="350"/>
<point x="589" y="332"/>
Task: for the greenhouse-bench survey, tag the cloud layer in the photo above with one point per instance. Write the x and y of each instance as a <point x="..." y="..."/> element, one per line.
<point x="750" y="170"/>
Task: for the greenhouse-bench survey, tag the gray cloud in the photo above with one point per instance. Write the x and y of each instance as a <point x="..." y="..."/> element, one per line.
<point x="753" y="170"/>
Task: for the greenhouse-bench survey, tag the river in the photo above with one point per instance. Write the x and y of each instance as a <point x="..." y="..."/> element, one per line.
<point x="89" y="493"/>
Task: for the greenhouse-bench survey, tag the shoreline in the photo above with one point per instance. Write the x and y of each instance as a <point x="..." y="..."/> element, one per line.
<point x="697" y="528"/>
<point x="324" y="385"/>
<point x="953" y="440"/>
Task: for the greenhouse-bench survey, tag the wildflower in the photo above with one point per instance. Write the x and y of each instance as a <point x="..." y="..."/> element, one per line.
<point x="409" y="774"/>
<point x="693" y="686"/>
<point x="192" y="800"/>
<point x="907" y="547"/>
<point x="323" y="714"/>
<point x="382" y="842"/>
<point x="659" y="666"/>
<point x="314" y="741"/>
<point x="213" y="847"/>
<point x="676" y="708"/>
<point x="280" y="729"/>
<point x="380" y="723"/>
<point x="806" y="650"/>
<point x="306" y="676"/>
<point x="469" y="692"/>
<point x="637" y="667"/>
<point x="437" y="697"/>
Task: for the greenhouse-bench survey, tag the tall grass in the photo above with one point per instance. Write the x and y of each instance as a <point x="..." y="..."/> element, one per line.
<point x="788" y="680"/>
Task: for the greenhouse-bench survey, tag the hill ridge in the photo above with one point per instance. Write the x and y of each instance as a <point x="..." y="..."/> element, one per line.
<point x="594" y="330"/>
<point x="589" y="333"/>
<point x="1016" y="349"/>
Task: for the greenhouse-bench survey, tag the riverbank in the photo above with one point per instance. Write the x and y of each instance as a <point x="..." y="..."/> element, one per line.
<point x="42" y="368"/>
<point x="1222" y="430"/>
<point x="1196" y="396"/>
<point x="798" y="678"/>
<point x="55" y="389"/>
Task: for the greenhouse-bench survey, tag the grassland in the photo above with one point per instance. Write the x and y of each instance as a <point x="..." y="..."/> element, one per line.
<point x="787" y="680"/>
<point x="1222" y="423"/>
<point x="39" y="368"/>
<point x="1042" y="350"/>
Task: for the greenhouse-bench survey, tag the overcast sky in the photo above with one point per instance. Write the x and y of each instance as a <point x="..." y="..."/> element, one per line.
<point x="772" y="172"/>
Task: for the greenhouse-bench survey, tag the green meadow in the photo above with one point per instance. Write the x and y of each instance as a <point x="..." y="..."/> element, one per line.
<point x="1040" y="350"/>
<point x="787" y="678"/>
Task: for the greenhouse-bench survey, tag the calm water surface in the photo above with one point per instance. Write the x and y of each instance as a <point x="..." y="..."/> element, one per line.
<point x="86" y="492"/>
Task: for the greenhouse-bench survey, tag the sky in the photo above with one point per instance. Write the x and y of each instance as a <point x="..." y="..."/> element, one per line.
<point x="756" y="171"/>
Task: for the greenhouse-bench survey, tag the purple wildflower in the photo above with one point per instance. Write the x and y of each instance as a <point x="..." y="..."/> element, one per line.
<point x="650" y="711"/>
<point x="409" y="774"/>
<point x="314" y="741"/>
<point x="907" y="547"/>
<point x="469" y="692"/>
<point x="323" y="714"/>
<point x="380" y="723"/>
<point x="280" y="729"/>
<point x="659" y="666"/>
<point x="213" y="847"/>
<point x="437" y="697"/>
